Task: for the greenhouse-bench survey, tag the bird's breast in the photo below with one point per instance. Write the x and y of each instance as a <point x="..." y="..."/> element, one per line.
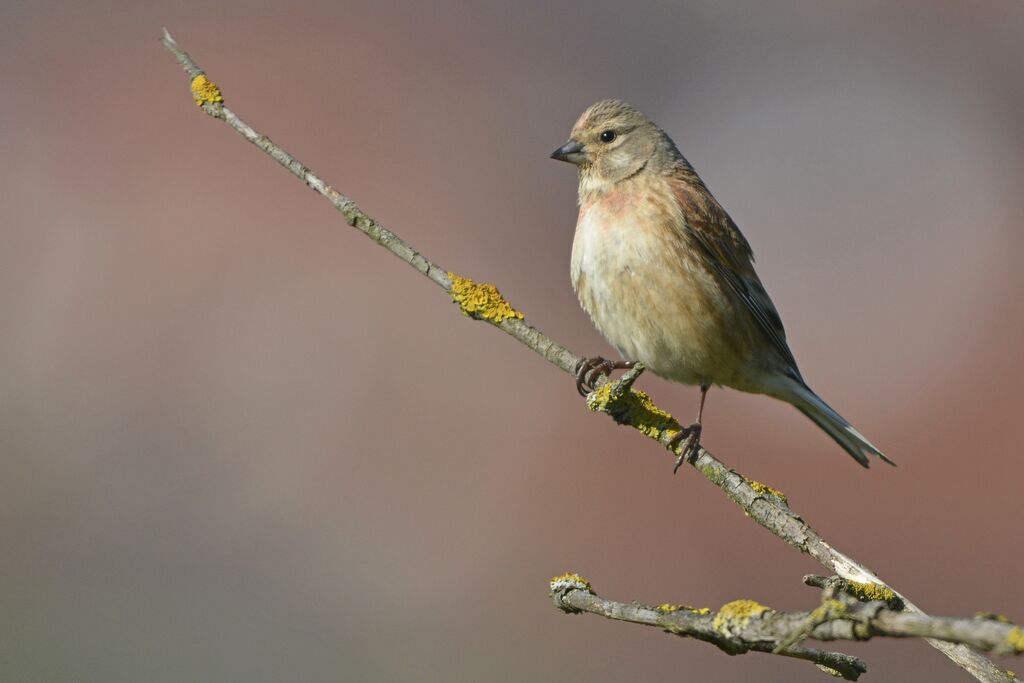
<point x="648" y="291"/>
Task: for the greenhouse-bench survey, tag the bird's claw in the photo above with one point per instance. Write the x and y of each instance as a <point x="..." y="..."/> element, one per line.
<point x="689" y="439"/>
<point x="589" y="370"/>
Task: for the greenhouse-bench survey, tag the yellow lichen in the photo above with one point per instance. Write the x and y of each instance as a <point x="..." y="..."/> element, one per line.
<point x="669" y="607"/>
<point x="733" y="616"/>
<point x="569" y="580"/>
<point x="633" y="408"/>
<point x="829" y="610"/>
<point x="764" y="489"/>
<point x="1016" y="639"/>
<point x="830" y="671"/>
<point x="205" y="91"/>
<point x="874" y="591"/>
<point x="480" y="301"/>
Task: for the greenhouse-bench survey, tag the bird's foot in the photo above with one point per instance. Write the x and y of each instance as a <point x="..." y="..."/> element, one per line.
<point x="689" y="439"/>
<point x="589" y="370"/>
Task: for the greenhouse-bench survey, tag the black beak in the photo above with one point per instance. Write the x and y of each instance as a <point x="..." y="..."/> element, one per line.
<point x="571" y="151"/>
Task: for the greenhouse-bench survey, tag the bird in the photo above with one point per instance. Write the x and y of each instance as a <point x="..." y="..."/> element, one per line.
<point x="668" y="278"/>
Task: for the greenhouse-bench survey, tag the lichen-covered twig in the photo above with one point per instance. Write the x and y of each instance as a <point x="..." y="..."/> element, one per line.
<point x="738" y="627"/>
<point x="209" y="98"/>
<point x="745" y="625"/>
<point x="764" y="504"/>
<point x="861" y="591"/>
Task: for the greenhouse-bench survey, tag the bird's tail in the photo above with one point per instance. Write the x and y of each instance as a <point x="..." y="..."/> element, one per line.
<point x="852" y="441"/>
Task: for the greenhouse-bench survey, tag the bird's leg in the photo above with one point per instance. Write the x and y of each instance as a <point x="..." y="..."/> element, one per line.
<point x="689" y="436"/>
<point x="588" y="370"/>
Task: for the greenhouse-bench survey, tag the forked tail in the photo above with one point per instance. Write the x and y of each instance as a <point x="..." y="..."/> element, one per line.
<point x="852" y="441"/>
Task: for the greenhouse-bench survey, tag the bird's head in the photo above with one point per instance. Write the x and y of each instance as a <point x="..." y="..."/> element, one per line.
<point x="613" y="141"/>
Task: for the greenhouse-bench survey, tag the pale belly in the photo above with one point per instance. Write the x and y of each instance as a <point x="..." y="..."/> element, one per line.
<point x="655" y="302"/>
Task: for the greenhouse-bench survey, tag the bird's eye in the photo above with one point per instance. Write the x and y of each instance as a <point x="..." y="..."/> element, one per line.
<point x="608" y="136"/>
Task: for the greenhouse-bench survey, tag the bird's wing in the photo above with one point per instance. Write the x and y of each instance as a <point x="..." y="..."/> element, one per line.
<point x="714" y="233"/>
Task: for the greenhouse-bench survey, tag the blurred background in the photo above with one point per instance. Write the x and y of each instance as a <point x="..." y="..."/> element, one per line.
<point x="241" y="442"/>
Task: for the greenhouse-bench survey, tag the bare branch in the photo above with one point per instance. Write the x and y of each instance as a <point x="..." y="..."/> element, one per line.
<point x="767" y="506"/>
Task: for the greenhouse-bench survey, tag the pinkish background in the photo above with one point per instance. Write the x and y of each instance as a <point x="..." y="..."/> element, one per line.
<point x="240" y="442"/>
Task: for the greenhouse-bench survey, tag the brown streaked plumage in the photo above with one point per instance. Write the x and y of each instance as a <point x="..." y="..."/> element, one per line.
<point x="668" y="278"/>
